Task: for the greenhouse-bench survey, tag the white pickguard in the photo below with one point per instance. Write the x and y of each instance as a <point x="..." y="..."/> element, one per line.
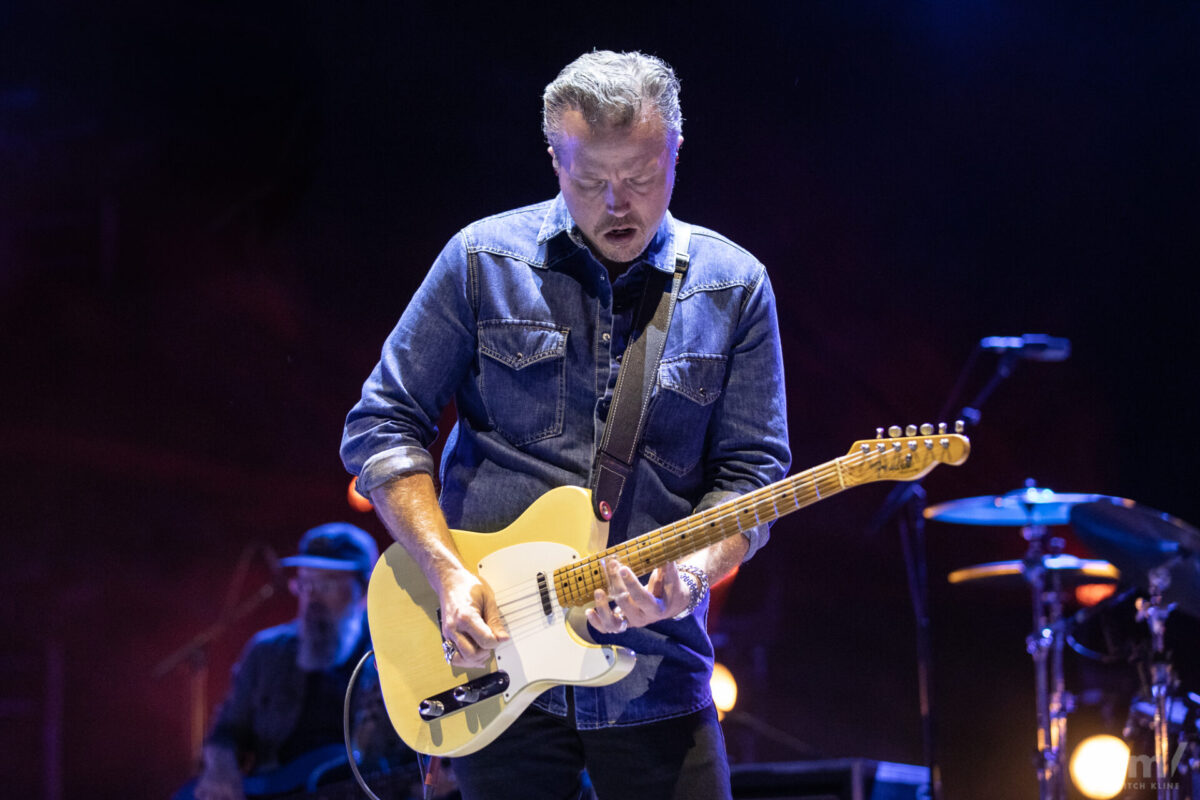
<point x="542" y="647"/>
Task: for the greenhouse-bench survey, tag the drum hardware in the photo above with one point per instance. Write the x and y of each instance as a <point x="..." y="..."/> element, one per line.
<point x="1139" y="540"/>
<point x="1154" y="612"/>
<point x="1157" y="551"/>
<point x="1046" y="570"/>
<point x="1183" y="713"/>
<point x="1096" y="615"/>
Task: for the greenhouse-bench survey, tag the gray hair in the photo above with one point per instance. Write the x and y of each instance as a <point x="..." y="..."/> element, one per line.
<point x="613" y="89"/>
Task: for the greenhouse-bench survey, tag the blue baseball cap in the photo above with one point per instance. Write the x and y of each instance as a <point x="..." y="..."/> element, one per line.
<point x="336" y="545"/>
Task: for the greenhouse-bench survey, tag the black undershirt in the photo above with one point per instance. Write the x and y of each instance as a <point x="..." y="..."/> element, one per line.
<point x="320" y="721"/>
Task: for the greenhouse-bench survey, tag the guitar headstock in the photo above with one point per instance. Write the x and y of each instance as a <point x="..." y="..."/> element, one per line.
<point x="905" y="454"/>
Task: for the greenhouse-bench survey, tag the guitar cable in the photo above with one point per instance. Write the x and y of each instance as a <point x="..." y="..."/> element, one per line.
<point x="362" y="783"/>
<point x="428" y="770"/>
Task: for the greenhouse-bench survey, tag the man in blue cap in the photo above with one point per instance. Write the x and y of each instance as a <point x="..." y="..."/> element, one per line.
<point x="285" y="706"/>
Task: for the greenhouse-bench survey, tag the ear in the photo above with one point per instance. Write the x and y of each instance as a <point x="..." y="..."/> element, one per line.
<point x="553" y="158"/>
<point x="678" y="147"/>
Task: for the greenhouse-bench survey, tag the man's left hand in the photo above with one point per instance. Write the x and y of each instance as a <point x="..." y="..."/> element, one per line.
<point x="629" y="604"/>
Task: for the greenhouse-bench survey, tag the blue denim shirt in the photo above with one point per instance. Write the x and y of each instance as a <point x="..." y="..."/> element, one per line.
<point x="518" y="323"/>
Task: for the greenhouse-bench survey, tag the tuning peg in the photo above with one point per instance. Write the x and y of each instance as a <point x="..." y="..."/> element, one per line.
<point x="910" y="430"/>
<point x="941" y="427"/>
<point x="926" y="429"/>
<point x="879" y="433"/>
<point x="894" y="431"/>
<point x="959" y="426"/>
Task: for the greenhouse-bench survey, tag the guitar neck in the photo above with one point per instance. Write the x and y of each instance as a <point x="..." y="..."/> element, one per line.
<point x="902" y="456"/>
<point x="577" y="583"/>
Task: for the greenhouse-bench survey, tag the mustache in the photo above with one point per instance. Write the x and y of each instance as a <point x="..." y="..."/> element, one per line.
<point x="613" y="223"/>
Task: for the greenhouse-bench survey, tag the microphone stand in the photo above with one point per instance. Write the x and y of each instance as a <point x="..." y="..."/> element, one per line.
<point x="906" y="503"/>
<point x="195" y="652"/>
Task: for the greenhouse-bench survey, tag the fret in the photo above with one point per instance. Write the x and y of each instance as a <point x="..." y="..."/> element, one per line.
<point x="866" y="462"/>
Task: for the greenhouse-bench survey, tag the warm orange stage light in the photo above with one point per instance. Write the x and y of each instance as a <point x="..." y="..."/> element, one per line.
<point x="356" y="500"/>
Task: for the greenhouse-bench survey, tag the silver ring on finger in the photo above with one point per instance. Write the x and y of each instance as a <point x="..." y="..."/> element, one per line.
<point x="449" y="650"/>
<point x="624" y="625"/>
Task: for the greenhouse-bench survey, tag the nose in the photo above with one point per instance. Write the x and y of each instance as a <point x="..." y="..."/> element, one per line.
<point x="616" y="197"/>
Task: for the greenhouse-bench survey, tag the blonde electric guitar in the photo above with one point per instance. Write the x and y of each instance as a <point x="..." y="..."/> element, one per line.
<point x="544" y="569"/>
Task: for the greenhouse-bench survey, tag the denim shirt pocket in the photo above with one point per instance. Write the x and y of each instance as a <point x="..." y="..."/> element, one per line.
<point x="677" y="420"/>
<point x="523" y="378"/>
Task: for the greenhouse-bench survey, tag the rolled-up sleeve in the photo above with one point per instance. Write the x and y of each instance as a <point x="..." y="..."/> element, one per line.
<point x="424" y="360"/>
<point x="749" y="439"/>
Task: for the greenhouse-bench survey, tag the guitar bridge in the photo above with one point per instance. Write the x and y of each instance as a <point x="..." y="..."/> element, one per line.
<point x="463" y="695"/>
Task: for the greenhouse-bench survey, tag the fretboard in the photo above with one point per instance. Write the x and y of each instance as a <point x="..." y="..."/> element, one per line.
<point x="576" y="584"/>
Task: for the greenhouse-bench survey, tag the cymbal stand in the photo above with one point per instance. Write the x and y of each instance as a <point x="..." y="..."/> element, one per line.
<point x="1045" y="644"/>
<point x="1154" y="612"/>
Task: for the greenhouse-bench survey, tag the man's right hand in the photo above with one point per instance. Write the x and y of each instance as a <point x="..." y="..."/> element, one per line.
<point x="470" y="619"/>
<point x="221" y="778"/>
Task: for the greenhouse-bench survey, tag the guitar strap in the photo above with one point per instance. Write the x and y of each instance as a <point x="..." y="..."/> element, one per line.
<point x="635" y="381"/>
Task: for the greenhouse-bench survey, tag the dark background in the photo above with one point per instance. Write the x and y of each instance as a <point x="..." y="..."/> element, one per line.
<point x="211" y="214"/>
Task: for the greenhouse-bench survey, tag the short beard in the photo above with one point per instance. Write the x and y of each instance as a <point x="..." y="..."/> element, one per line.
<point x="320" y="639"/>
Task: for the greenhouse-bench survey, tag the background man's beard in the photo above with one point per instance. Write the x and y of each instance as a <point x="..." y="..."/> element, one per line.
<point x="319" y="640"/>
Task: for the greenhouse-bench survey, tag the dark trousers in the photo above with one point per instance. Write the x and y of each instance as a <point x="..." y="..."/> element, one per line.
<point x="543" y="756"/>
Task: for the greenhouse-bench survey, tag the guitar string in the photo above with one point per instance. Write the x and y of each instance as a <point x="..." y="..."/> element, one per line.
<point x="722" y="520"/>
<point x="793" y="488"/>
<point x="522" y="614"/>
<point x="660" y="539"/>
<point x="667" y="543"/>
<point x="592" y="562"/>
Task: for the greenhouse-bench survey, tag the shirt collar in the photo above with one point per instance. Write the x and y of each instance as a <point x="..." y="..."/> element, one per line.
<point x="660" y="254"/>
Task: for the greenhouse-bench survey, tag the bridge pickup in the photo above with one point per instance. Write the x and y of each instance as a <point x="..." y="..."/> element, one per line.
<point x="463" y="695"/>
<point x="544" y="591"/>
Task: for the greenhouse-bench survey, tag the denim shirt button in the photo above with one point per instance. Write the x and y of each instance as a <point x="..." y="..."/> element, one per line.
<point x="604" y="337"/>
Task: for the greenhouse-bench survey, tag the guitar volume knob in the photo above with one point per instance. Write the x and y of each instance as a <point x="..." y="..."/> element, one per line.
<point x="431" y="709"/>
<point x="466" y="694"/>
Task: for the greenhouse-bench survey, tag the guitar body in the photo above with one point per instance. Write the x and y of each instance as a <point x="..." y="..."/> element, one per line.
<point x="545" y="649"/>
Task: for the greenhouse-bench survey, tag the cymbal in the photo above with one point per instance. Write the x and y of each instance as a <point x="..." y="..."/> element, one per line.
<point x="1140" y="539"/>
<point x="1071" y="570"/>
<point x="1132" y="526"/>
<point x="1028" y="506"/>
